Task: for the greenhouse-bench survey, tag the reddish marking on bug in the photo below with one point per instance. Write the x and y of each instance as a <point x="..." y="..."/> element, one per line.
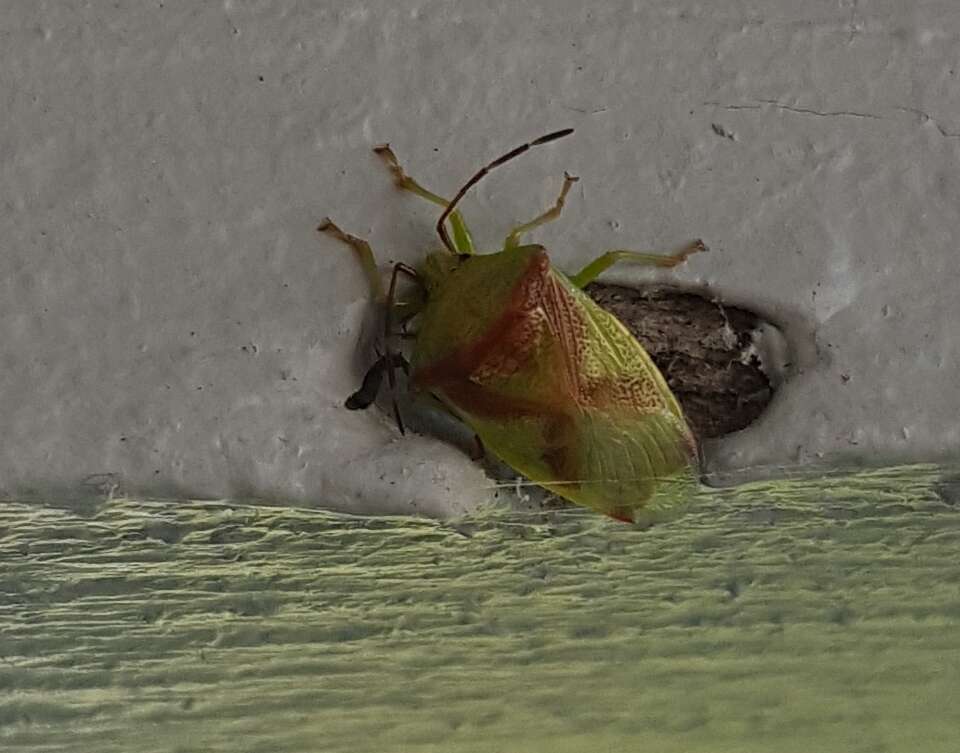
<point x="558" y="426"/>
<point x="573" y="333"/>
<point x="508" y="342"/>
<point x="503" y="350"/>
<point x="480" y="401"/>
<point x="622" y="392"/>
<point x="567" y="325"/>
<point x="620" y="515"/>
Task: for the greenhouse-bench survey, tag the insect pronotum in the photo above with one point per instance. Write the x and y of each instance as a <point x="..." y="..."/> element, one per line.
<point x="551" y="384"/>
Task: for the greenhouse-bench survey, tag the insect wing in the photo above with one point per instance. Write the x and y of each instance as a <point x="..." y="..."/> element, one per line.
<point x="630" y="438"/>
<point x="561" y="391"/>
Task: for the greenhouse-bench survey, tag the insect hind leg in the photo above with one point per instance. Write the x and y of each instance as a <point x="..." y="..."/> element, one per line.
<point x="513" y="239"/>
<point x="603" y="262"/>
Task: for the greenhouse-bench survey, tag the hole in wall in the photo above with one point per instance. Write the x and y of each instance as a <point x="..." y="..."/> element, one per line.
<point x="724" y="363"/>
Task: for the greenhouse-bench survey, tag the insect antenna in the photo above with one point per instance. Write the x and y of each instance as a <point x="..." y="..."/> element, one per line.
<point x="391" y="358"/>
<point x="441" y="227"/>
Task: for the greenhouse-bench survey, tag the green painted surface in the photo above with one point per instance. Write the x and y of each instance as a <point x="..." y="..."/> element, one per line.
<point x="796" y="616"/>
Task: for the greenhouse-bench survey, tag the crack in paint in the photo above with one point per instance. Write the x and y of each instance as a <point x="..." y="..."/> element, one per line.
<point x="821" y="113"/>
<point x="761" y="103"/>
<point x="800" y="110"/>
<point x="927" y="117"/>
<point x="584" y="111"/>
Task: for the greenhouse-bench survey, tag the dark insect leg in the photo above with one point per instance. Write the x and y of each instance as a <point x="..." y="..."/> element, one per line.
<point x="513" y="239"/>
<point x="451" y="207"/>
<point x="603" y="262"/>
<point x="390" y="356"/>
<point x="462" y="240"/>
<point x="479" y="452"/>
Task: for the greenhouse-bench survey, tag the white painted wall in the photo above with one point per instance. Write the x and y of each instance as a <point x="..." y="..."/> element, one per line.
<point x="168" y="313"/>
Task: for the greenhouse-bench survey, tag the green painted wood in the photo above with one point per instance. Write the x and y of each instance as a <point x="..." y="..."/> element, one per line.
<point x="799" y="615"/>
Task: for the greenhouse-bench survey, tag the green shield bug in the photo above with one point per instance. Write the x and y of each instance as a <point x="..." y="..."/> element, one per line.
<point x="551" y="384"/>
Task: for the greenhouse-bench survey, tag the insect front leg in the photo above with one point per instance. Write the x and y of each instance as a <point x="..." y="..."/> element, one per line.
<point x="394" y="310"/>
<point x="513" y="239"/>
<point x="364" y="254"/>
<point x="603" y="262"/>
<point x="462" y="240"/>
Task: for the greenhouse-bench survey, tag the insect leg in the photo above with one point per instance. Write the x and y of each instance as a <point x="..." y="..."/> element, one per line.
<point x="364" y="253"/>
<point x="393" y="358"/>
<point x="513" y="239"/>
<point x="462" y="240"/>
<point x="603" y="262"/>
<point x="479" y="451"/>
<point x="441" y="229"/>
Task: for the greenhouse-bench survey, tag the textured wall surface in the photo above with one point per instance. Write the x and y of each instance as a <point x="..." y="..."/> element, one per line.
<point x="169" y="315"/>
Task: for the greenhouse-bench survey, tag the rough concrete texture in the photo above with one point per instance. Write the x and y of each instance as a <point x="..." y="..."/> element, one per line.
<point x="169" y="315"/>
